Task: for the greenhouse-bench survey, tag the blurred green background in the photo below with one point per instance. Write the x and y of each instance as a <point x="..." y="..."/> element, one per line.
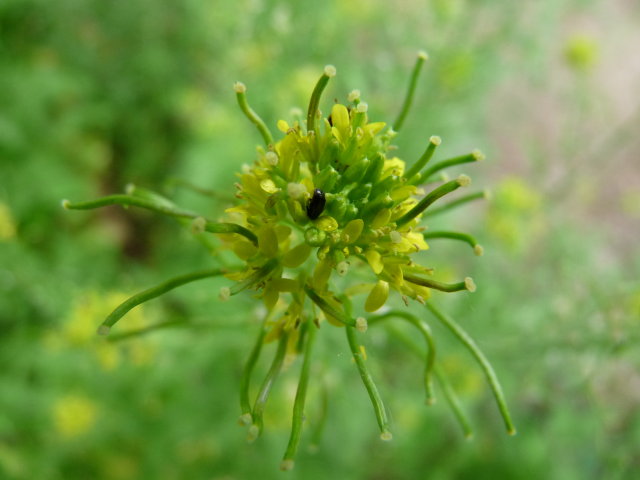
<point x="97" y="94"/>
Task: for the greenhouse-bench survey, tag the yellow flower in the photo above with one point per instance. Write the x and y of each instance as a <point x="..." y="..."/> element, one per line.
<point x="74" y="415"/>
<point x="7" y="225"/>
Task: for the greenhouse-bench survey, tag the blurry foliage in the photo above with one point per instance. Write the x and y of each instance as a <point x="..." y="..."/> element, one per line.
<point x="96" y="94"/>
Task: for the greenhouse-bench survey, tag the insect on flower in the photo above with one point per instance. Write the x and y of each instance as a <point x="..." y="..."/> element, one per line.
<point x="316" y="204"/>
<point x="325" y="198"/>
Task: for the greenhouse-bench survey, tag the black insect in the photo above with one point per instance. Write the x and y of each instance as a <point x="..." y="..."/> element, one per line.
<point x="316" y="203"/>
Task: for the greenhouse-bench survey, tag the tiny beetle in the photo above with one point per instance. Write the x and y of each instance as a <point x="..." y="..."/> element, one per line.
<point x="316" y="203"/>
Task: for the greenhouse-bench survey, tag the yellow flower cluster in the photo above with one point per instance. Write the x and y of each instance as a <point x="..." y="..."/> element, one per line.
<point x="365" y="192"/>
<point x="324" y="198"/>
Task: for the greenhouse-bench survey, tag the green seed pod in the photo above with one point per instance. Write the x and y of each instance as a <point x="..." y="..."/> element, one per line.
<point x="297" y="212"/>
<point x="375" y="169"/>
<point x="385" y="186"/>
<point x="329" y="155"/>
<point x="356" y="171"/>
<point x="336" y="206"/>
<point x="359" y="193"/>
<point x="327" y="179"/>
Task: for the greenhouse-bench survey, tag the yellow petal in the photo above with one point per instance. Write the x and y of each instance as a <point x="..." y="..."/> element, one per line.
<point x="352" y="230"/>
<point x="285" y="285"/>
<point x="321" y="274"/>
<point x="296" y="256"/>
<point x="268" y="241"/>
<point x="283" y="126"/>
<point x="377" y="297"/>
<point x="244" y="249"/>
<point x="340" y="117"/>
<point x="381" y="218"/>
<point x="375" y="260"/>
<point x="268" y="186"/>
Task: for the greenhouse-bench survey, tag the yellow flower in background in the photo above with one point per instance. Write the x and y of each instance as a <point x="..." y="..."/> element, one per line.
<point x="516" y="214"/>
<point x="74" y="415"/>
<point x="7" y="225"/>
<point x="582" y="52"/>
<point x="79" y="331"/>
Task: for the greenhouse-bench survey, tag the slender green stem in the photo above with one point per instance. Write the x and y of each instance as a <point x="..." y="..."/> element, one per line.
<point x="449" y="394"/>
<point x="450" y="162"/>
<point x="378" y="406"/>
<point x="129" y="200"/>
<point x="467" y="284"/>
<point x="431" y="348"/>
<point x="159" y="207"/>
<point x="117" y="337"/>
<point x="329" y="71"/>
<point x="153" y="292"/>
<point x="316" y="436"/>
<point x="301" y="395"/>
<point x="327" y="308"/>
<point x="455" y="203"/>
<point x="265" y="389"/>
<point x="454" y="402"/>
<point x="245" y="380"/>
<point x="492" y="378"/>
<point x="431" y="197"/>
<point x="223" y="227"/>
<point x="179" y="182"/>
<point x="241" y="95"/>
<point x="424" y="159"/>
<point x="463" y="237"/>
<point x="413" y="81"/>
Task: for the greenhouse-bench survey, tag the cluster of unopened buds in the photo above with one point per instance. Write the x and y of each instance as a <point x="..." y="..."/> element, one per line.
<point x="323" y="200"/>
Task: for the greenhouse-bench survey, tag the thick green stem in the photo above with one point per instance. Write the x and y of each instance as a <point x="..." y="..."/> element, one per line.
<point x="431" y="348"/>
<point x="301" y="395"/>
<point x="378" y="406"/>
<point x="151" y="293"/>
<point x="467" y="284"/>
<point x="329" y="71"/>
<point x="241" y="95"/>
<point x="431" y="197"/>
<point x="492" y="378"/>
<point x="413" y="81"/>
<point x="160" y="207"/>
<point x="265" y="389"/>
